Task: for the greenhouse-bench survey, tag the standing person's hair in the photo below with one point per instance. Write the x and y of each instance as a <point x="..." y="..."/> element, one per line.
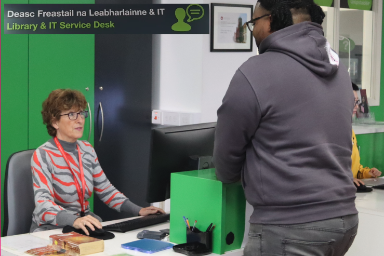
<point x="61" y="100"/>
<point x="283" y="11"/>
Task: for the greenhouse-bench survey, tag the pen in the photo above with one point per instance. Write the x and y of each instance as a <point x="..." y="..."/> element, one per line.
<point x="209" y="227"/>
<point x="185" y="220"/>
<point x="212" y="228"/>
<point x="194" y="225"/>
<point x="188" y="224"/>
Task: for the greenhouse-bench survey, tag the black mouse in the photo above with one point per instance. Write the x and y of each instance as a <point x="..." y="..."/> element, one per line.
<point x="96" y="232"/>
<point x="362" y="188"/>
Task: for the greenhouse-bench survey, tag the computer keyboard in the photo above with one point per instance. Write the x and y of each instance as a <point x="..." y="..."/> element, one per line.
<point x="137" y="223"/>
<point x="379" y="186"/>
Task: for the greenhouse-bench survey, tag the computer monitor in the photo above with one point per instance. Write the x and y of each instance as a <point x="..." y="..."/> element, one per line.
<point x="177" y="149"/>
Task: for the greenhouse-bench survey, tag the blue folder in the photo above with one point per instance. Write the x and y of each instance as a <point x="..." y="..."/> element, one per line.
<point x="147" y="245"/>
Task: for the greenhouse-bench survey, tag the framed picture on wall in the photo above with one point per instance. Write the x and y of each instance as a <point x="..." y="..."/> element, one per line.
<point x="229" y="32"/>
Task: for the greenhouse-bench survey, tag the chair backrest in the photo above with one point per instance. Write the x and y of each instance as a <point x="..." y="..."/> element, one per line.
<point x="18" y="199"/>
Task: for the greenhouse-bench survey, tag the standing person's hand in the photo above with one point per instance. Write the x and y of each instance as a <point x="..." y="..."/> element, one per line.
<point x="358" y="182"/>
<point x="89" y="221"/>
<point x="150" y="210"/>
<point x="374" y="172"/>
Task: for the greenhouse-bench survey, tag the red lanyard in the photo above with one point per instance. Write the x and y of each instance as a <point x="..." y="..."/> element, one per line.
<point x="81" y="196"/>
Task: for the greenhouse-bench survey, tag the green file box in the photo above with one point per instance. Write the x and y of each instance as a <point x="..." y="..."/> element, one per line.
<point x="198" y="195"/>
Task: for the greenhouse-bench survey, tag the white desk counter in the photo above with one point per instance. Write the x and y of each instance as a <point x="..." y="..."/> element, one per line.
<point x="111" y="247"/>
<point x="368" y="128"/>
<point x="368" y="240"/>
<point x="371" y="226"/>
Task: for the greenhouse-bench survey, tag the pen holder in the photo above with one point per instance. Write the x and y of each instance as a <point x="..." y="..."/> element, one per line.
<point x="198" y="243"/>
<point x="200" y="237"/>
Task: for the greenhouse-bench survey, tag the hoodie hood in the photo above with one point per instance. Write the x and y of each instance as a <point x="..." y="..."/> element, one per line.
<point x="304" y="42"/>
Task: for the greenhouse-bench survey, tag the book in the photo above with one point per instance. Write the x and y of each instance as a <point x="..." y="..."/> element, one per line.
<point x="76" y="244"/>
<point x="45" y="251"/>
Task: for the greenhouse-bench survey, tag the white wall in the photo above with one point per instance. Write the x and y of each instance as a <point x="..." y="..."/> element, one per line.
<point x="187" y="77"/>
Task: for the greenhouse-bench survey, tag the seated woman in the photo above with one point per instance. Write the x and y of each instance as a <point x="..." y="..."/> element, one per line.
<point x="359" y="172"/>
<point x="66" y="170"/>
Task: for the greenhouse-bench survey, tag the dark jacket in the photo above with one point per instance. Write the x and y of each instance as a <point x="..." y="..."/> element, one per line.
<point x="285" y="129"/>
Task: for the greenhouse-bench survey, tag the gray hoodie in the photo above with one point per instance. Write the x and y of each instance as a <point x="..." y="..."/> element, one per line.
<point x="284" y="129"/>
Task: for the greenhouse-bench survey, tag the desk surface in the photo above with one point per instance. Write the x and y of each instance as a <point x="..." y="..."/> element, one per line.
<point x="111" y="247"/>
<point x="368" y="240"/>
<point x="368" y="128"/>
<point x="371" y="224"/>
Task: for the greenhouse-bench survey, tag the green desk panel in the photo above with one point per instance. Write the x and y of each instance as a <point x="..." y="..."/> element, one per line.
<point x="198" y="195"/>
<point x="14" y="96"/>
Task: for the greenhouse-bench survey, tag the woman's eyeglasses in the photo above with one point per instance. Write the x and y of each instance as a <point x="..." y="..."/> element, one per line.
<point x="74" y="115"/>
<point x="251" y="23"/>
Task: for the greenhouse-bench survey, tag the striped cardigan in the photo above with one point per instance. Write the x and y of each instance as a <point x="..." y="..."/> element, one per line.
<point x="56" y="200"/>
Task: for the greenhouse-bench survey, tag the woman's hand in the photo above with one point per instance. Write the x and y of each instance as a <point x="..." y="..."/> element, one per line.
<point x="358" y="182"/>
<point x="150" y="210"/>
<point x="374" y="172"/>
<point x="87" y="221"/>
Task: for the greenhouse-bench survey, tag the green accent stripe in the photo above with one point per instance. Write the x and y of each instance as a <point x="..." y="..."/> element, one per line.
<point x="14" y="96"/>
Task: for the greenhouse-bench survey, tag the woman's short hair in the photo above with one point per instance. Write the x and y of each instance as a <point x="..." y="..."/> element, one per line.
<point x="61" y="100"/>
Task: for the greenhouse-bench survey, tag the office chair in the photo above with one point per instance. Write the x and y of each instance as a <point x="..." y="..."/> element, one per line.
<point x="18" y="194"/>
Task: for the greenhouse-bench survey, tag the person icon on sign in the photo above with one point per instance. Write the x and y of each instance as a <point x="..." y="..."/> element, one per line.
<point x="180" y="25"/>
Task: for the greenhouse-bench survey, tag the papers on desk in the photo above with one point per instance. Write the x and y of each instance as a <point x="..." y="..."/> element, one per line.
<point x="6" y="253"/>
<point x="373" y="182"/>
<point x="13" y="243"/>
<point x="117" y="251"/>
<point x="361" y="196"/>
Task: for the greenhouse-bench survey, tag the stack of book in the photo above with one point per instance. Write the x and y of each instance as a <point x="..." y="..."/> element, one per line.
<point x="69" y="244"/>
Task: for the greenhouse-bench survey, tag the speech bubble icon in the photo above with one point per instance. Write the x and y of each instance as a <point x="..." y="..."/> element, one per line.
<point x="195" y="12"/>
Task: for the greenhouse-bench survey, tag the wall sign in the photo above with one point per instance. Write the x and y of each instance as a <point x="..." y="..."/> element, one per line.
<point x="365" y="5"/>
<point x="327" y="3"/>
<point x="346" y="44"/>
<point x="106" y="19"/>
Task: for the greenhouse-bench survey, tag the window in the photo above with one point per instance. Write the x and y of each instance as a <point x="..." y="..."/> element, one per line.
<point x="353" y="28"/>
<point x="328" y="24"/>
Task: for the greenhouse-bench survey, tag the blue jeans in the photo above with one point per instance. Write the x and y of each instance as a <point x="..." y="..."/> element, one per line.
<point x="331" y="237"/>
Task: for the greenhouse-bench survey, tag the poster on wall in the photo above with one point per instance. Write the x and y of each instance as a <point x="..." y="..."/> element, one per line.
<point x="361" y="109"/>
<point x="363" y="106"/>
<point x="365" y="5"/>
<point x="229" y="31"/>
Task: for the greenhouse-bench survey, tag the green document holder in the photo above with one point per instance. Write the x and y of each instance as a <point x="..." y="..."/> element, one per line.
<point x="198" y="195"/>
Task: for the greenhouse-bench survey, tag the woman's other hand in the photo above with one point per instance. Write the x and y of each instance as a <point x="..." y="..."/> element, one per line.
<point x="374" y="172"/>
<point x="150" y="210"/>
<point x="89" y="221"/>
<point x="358" y="182"/>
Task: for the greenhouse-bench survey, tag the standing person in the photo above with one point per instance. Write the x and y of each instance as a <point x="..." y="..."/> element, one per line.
<point x="66" y="170"/>
<point x="284" y="129"/>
